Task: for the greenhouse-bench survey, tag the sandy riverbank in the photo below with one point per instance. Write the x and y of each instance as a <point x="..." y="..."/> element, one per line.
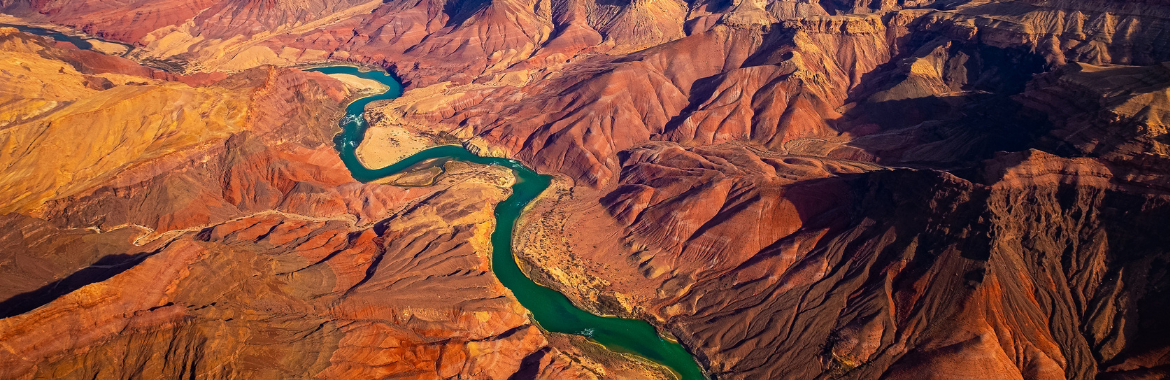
<point x="360" y="85"/>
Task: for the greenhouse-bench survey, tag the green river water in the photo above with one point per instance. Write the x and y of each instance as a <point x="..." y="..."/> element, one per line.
<point x="550" y="309"/>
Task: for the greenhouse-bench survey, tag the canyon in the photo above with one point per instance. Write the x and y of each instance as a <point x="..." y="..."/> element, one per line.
<point x="791" y="189"/>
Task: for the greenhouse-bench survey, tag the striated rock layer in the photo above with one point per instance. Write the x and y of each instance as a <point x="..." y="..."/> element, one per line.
<point x="829" y="197"/>
<point x="795" y="189"/>
<point x="1047" y="262"/>
<point x="1036" y="267"/>
<point x="216" y="234"/>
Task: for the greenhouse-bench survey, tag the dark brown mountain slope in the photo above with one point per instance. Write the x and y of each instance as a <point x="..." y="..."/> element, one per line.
<point x="1028" y="265"/>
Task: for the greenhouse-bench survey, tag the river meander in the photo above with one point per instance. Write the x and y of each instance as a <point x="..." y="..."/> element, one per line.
<point x="550" y="309"/>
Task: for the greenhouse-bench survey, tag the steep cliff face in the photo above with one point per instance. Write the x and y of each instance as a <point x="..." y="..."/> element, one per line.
<point x="427" y="40"/>
<point x="429" y="34"/>
<point x="432" y="41"/>
<point x="844" y="87"/>
<point x="840" y="86"/>
<point x="810" y="259"/>
<point x="771" y="85"/>
<point x="795" y="189"/>
<point x="235" y="244"/>
<point x="1122" y="32"/>
<point x="790" y="251"/>
<point x="1116" y="113"/>
<point x="1035" y="267"/>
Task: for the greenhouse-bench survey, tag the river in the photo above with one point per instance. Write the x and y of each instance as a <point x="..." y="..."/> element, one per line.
<point x="80" y="41"/>
<point x="550" y="309"/>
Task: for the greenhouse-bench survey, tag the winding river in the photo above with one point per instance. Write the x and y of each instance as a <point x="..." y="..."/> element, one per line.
<point x="79" y="42"/>
<point x="550" y="309"/>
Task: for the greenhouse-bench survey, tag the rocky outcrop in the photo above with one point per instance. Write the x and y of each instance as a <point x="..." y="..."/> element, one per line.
<point x="1007" y="265"/>
<point x="1095" y="32"/>
<point x="794" y="189"/>
<point x="789" y="267"/>
<point x="277" y="295"/>
<point x="244" y="251"/>
<point x="424" y="40"/>
<point x="427" y="40"/>
<point x="1116" y="113"/>
<point x="49" y="103"/>
<point x="120" y="20"/>
<point x="789" y="252"/>
<point x="783" y="85"/>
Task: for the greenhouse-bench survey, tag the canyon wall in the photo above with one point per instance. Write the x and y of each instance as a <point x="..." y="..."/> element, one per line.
<point x="793" y="189"/>
<point x="209" y="230"/>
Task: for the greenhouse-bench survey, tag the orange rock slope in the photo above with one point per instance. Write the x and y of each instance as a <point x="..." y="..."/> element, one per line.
<point x="216" y="233"/>
<point x="794" y="189"/>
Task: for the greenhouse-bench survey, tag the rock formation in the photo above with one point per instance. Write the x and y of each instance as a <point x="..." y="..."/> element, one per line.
<point x="795" y="189"/>
<point x="214" y="233"/>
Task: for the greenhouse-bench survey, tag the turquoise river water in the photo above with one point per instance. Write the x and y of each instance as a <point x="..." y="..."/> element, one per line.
<point x="550" y="309"/>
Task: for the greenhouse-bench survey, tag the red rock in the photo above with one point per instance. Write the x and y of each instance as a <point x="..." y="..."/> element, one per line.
<point x="261" y="256"/>
<point x="879" y="193"/>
